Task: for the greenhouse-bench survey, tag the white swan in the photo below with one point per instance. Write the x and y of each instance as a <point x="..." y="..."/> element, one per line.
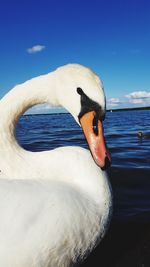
<point x="54" y="205"/>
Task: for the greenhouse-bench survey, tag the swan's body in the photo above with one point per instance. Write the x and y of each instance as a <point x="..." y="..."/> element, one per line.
<point x="54" y="205"/>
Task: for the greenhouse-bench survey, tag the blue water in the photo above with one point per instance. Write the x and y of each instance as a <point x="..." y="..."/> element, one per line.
<point x="130" y="170"/>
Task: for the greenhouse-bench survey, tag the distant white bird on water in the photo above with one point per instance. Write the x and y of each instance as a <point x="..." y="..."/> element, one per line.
<point x="55" y="205"/>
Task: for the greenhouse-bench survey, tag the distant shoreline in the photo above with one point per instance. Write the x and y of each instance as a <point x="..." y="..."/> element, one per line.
<point x="108" y="110"/>
<point x="128" y="109"/>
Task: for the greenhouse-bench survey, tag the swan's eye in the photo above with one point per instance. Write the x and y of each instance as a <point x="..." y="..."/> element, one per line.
<point x="95" y="125"/>
<point x="79" y="91"/>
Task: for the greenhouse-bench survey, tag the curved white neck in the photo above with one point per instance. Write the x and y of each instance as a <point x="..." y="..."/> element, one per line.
<point x="22" y="97"/>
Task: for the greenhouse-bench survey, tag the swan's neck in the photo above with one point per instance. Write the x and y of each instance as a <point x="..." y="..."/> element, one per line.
<point x="22" y="97"/>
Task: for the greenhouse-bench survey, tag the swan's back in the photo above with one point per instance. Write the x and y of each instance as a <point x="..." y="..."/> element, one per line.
<point x="47" y="220"/>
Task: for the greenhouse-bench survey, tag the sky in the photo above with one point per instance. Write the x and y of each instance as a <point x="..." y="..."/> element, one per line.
<point x="110" y="36"/>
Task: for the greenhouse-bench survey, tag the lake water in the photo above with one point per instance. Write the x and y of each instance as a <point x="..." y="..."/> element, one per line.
<point x="130" y="170"/>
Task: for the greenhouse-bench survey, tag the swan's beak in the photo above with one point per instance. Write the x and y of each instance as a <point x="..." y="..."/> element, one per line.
<point x="93" y="131"/>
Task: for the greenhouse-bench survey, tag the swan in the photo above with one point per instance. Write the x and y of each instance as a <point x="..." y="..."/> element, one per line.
<point x="55" y="205"/>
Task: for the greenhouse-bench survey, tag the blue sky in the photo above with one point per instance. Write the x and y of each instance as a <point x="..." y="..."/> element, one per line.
<point x="110" y="36"/>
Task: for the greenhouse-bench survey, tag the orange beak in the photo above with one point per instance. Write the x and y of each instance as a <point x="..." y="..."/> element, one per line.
<point x="96" y="140"/>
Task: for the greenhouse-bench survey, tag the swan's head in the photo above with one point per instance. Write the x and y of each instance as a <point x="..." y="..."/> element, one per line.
<point x="83" y="96"/>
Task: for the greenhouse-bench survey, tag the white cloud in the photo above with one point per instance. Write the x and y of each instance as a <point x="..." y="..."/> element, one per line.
<point x="139" y="97"/>
<point x="35" y="49"/>
<point x="113" y="102"/>
<point x="133" y="99"/>
<point x="138" y="94"/>
<point x="136" y="101"/>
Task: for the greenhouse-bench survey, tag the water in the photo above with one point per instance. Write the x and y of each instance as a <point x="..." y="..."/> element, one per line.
<point x="130" y="171"/>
